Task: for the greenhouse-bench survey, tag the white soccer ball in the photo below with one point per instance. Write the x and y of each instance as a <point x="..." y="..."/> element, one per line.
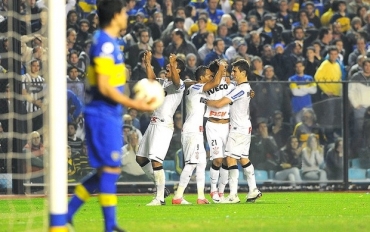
<point x="150" y="91"/>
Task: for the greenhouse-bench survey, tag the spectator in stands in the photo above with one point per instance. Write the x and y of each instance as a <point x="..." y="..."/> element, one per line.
<point x="35" y="152"/>
<point x="243" y="29"/>
<point x="283" y="16"/>
<point x="191" y="66"/>
<point x="127" y="120"/>
<point x="72" y="20"/>
<point x="231" y="52"/>
<point x="207" y="47"/>
<point x="94" y="22"/>
<point x="74" y="107"/>
<point x="142" y="45"/>
<point x="263" y="148"/>
<point x="292" y="53"/>
<point x="359" y="96"/>
<point x="73" y="141"/>
<point x="312" y="17"/>
<point x="277" y="61"/>
<point x="258" y="11"/>
<point x="325" y="37"/>
<point x="232" y="26"/>
<point x="190" y="13"/>
<point x="71" y="40"/>
<point x="275" y="96"/>
<point x="341" y="16"/>
<point x="179" y="44"/>
<point x="307" y="127"/>
<point x="159" y="62"/>
<point x="178" y="23"/>
<point x="73" y="74"/>
<point x="278" y="129"/>
<point x="270" y="31"/>
<point x="255" y="45"/>
<point x="214" y="13"/>
<point x="131" y="170"/>
<point x="330" y="71"/>
<point x="217" y="53"/>
<point x="360" y="50"/>
<point x="267" y="54"/>
<point x="135" y="121"/>
<point x="311" y="63"/>
<point x="305" y="37"/>
<point x="313" y="161"/>
<point x="357" y="67"/>
<point x="303" y="21"/>
<point x="237" y="12"/>
<point x="175" y="144"/>
<point x="334" y="161"/>
<point x="289" y="160"/>
<point x="73" y="58"/>
<point x="302" y="87"/>
<point x="33" y="92"/>
<point x="156" y="26"/>
<point x="211" y="27"/>
<point x="83" y="34"/>
<point x="355" y="4"/>
<point x="73" y="166"/>
<point x="222" y="33"/>
<point x="242" y="49"/>
<point x="150" y="7"/>
<point x="139" y="71"/>
<point x="198" y="38"/>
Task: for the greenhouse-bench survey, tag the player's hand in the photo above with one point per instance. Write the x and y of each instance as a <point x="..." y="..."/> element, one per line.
<point x="148" y="57"/>
<point x="252" y="93"/>
<point x="203" y="100"/>
<point x="172" y="59"/>
<point x="142" y="105"/>
<point x="222" y="65"/>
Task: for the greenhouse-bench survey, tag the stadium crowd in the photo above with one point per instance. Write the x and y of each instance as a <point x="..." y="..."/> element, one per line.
<point x="300" y="52"/>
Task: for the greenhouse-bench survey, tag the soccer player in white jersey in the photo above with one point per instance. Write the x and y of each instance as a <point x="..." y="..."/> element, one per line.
<point x="217" y="129"/>
<point x="238" y="142"/>
<point x="192" y="133"/>
<point x="156" y="140"/>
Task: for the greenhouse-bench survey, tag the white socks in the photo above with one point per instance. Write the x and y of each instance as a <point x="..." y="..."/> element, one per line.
<point x="233" y="181"/>
<point x="201" y="168"/>
<point x="185" y="176"/>
<point x="224" y="178"/>
<point x="251" y="179"/>
<point x="159" y="179"/>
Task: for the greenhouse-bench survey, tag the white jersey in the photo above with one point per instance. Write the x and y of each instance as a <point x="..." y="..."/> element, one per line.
<point x="239" y="110"/>
<point x="194" y="109"/>
<point x="173" y="96"/>
<point x="215" y="94"/>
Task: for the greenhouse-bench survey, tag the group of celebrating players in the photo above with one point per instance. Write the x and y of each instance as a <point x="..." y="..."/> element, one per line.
<point x="228" y="128"/>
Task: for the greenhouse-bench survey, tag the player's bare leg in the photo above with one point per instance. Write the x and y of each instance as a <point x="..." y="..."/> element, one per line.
<point x="248" y="169"/>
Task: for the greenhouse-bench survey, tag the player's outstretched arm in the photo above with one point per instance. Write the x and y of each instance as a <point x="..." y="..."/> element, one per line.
<point x="148" y="65"/>
<point x="216" y="103"/>
<point x="111" y="92"/>
<point x="174" y="73"/>
<point x="217" y="79"/>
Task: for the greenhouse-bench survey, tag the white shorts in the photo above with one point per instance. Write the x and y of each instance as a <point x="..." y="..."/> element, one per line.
<point x="217" y="136"/>
<point x="155" y="142"/>
<point x="238" y="145"/>
<point x="193" y="148"/>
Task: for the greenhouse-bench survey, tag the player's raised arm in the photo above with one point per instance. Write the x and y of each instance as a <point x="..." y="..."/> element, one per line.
<point x="217" y="78"/>
<point x="217" y="103"/>
<point x="174" y="73"/>
<point x="148" y="65"/>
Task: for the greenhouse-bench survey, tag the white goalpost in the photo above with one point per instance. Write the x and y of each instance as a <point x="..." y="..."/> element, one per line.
<point x="57" y="117"/>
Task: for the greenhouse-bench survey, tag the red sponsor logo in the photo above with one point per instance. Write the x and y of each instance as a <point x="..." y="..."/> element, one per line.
<point x="217" y="114"/>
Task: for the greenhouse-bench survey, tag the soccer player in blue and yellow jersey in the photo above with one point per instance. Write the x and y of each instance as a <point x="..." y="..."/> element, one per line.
<point x="105" y="82"/>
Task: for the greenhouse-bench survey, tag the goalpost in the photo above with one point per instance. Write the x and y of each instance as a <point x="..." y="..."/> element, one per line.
<point x="57" y="117"/>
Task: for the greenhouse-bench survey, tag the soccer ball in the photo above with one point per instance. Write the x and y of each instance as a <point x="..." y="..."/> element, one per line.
<point x="149" y="90"/>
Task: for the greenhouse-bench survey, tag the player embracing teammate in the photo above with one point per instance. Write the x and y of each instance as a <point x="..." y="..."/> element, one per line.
<point x="192" y="133"/>
<point x="239" y="137"/>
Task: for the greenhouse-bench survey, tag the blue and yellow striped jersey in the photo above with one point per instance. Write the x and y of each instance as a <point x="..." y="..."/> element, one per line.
<point x="107" y="60"/>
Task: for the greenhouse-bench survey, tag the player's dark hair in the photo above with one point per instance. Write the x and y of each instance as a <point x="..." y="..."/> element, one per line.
<point x="107" y="9"/>
<point x="213" y="66"/>
<point x="200" y="71"/>
<point x="242" y="65"/>
<point x="180" y="64"/>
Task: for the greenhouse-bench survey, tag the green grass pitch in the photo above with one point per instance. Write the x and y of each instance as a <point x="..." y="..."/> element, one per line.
<point x="304" y="211"/>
